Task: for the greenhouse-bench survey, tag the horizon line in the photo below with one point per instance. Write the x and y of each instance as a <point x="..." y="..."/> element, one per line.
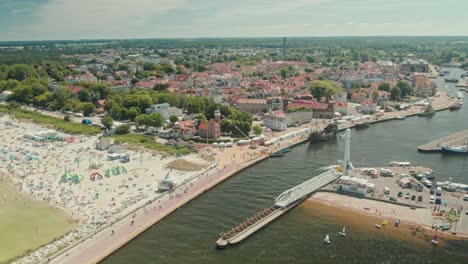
<point x="259" y="37"/>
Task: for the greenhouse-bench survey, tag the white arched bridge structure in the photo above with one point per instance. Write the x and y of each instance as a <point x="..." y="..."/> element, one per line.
<point x="304" y="189"/>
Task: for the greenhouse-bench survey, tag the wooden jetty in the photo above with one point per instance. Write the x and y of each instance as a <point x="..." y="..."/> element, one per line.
<point x="451" y="140"/>
<point x="250" y="226"/>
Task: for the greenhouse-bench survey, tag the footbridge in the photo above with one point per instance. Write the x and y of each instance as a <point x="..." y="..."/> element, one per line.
<point x="304" y="189"/>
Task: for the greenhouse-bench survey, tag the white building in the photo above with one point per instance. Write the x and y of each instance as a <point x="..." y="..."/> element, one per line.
<point x="81" y="78"/>
<point x="276" y="120"/>
<point x="354" y="185"/>
<point x="165" y="110"/>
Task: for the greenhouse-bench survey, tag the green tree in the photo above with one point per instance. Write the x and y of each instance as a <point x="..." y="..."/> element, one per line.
<point x="84" y="95"/>
<point x="173" y="119"/>
<point x="324" y="88"/>
<point x="384" y="87"/>
<point x="87" y="108"/>
<point x="395" y="93"/>
<point x="405" y="88"/>
<point x="67" y="118"/>
<point x="107" y="122"/>
<point x="155" y="120"/>
<point x="122" y="129"/>
<point x="375" y="96"/>
<point x="141" y="120"/>
<point x="257" y="129"/>
<point x="202" y="118"/>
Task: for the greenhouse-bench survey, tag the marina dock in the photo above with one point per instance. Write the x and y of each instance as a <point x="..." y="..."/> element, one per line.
<point x="451" y="140"/>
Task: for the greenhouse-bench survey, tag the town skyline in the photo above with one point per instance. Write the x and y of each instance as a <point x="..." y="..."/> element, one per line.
<point x="104" y="19"/>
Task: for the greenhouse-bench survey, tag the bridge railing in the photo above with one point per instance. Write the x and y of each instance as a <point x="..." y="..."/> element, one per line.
<point x="292" y="195"/>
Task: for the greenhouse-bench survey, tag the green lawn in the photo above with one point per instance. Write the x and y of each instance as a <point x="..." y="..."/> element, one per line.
<point x="59" y="124"/>
<point x="148" y="142"/>
<point x="26" y="224"/>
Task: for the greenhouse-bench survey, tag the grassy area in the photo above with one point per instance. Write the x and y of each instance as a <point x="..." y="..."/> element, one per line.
<point x="148" y="142"/>
<point x="59" y="124"/>
<point x="27" y="224"/>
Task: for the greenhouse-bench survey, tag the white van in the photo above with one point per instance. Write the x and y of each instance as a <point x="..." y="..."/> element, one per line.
<point x="386" y="190"/>
<point x="465" y="197"/>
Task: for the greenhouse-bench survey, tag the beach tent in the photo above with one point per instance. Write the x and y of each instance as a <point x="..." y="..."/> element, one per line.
<point x="120" y="169"/>
<point x="66" y="177"/>
<point x="110" y="172"/>
<point x="95" y="176"/>
<point x="86" y="121"/>
<point x="76" y="178"/>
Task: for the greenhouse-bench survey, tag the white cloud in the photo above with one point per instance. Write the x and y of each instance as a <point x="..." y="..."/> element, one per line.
<point x="264" y="8"/>
<point x="108" y="18"/>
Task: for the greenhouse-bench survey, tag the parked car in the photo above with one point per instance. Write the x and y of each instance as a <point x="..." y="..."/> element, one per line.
<point x="465" y="197"/>
<point x="413" y="197"/>
<point x="420" y="199"/>
<point x="400" y="194"/>
<point x="432" y="191"/>
<point x="392" y="199"/>
<point x="432" y="199"/>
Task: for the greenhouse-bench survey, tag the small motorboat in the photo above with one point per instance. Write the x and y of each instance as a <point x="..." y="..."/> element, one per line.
<point x="434" y="240"/>
<point x="327" y="239"/>
<point x="400" y="117"/>
<point x="285" y="150"/>
<point x="377" y="226"/>
<point x="277" y="154"/>
<point x="343" y="232"/>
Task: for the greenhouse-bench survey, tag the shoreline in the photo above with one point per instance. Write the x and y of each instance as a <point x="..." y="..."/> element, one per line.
<point x="224" y="175"/>
<point x="378" y="211"/>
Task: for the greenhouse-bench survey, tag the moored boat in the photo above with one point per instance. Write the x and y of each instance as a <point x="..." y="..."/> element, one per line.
<point x="277" y="154"/>
<point x="400" y="117"/>
<point x="453" y="80"/>
<point x="328" y="133"/>
<point x="460" y="150"/>
<point x="362" y="125"/>
<point x="399" y="163"/>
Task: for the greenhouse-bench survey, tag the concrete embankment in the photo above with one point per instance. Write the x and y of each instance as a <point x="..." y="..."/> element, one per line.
<point x="451" y="140"/>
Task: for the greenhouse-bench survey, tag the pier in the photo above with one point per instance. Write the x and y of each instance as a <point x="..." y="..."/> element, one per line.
<point x="283" y="203"/>
<point x="451" y="140"/>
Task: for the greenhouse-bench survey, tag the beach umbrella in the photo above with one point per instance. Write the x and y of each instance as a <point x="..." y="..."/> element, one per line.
<point x="66" y="177"/>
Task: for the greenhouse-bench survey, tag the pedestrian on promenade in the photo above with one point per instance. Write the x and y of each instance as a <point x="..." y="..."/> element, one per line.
<point x="113" y="232"/>
<point x="132" y="222"/>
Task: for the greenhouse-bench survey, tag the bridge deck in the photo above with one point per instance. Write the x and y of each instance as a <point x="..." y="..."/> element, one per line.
<point x="306" y="188"/>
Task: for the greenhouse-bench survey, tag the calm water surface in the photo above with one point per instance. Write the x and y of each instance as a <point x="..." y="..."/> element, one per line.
<point x="189" y="234"/>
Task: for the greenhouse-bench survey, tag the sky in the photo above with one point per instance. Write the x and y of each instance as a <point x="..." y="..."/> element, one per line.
<point x="103" y="19"/>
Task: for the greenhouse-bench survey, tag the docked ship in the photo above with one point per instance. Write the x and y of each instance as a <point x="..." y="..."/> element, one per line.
<point x="452" y="80"/>
<point x="362" y="125"/>
<point x="429" y="111"/>
<point x="459" y="150"/>
<point x="328" y="133"/>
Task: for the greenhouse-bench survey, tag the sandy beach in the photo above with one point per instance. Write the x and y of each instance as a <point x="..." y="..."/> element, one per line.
<point x="363" y="214"/>
<point x="92" y="198"/>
